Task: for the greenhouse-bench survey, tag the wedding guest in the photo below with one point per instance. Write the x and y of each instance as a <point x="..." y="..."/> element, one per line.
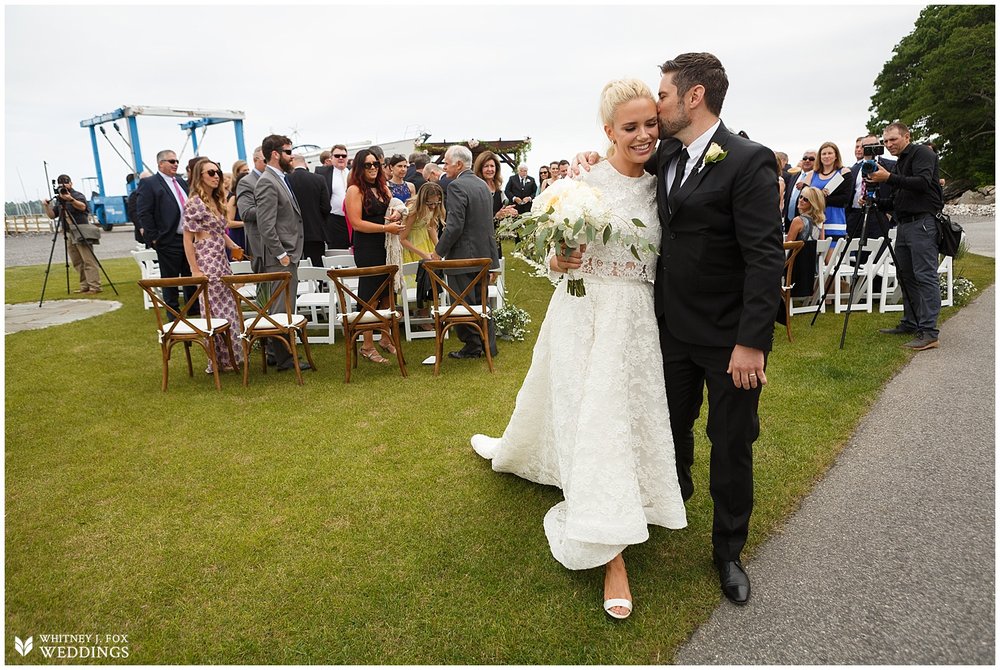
<point x="808" y="225"/>
<point x="553" y="173"/>
<point x="831" y="165"/>
<point x="404" y="190"/>
<point x="205" y="245"/>
<point x="521" y="189"/>
<point x="414" y="174"/>
<point x="543" y="175"/>
<point x="314" y="206"/>
<point x="563" y="169"/>
<point x="336" y="182"/>
<point x="433" y="172"/>
<point x="420" y="226"/>
<point x="798" y="173"/>
<point x="366" y="204"/>
<point x="780" y="164"/>
<point x="487" y="168"/>
<point x="235" y="230"/>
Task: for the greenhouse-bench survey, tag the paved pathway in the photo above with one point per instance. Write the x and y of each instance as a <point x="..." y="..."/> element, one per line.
<point x="891" y="559"/>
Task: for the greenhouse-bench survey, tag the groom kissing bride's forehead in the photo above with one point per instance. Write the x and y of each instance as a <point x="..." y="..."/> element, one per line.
<point x="701" y="313"/>
<point x="717" y="291"/>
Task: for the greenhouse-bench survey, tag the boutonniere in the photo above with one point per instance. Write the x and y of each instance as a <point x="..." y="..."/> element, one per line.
<point x="715" y="154"/>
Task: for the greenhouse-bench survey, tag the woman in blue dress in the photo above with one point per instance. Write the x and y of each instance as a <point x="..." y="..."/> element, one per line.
<point x="403" y="190"/>
<point x="830" y="165"/>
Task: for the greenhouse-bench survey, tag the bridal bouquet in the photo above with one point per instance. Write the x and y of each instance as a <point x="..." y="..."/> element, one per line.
<point x="564" y="216"/>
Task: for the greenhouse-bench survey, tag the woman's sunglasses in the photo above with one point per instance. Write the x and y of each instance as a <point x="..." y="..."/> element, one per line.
<point x="213" y="173"/>
<point x="369" y="166"/>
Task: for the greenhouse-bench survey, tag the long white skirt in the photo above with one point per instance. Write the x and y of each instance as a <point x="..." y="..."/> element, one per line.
<point x="592" y="419"/>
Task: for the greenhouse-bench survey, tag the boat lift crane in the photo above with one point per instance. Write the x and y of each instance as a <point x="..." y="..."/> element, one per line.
<point x="110" y="210"/>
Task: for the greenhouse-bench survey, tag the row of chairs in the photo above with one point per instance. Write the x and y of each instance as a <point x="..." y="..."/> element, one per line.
<point x="450" y="309"/>
<point x="873" y="262"/>
<point x="316" y="299"/>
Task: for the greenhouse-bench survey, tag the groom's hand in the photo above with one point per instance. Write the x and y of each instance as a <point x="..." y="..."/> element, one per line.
<point x="746" y="365"/>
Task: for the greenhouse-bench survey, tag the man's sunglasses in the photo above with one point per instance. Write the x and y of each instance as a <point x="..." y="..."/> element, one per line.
<point x="808" y="158"/>
<point x="340" y="155"/>
<point x="287" y="151"/>
<point x="172" y="161"/>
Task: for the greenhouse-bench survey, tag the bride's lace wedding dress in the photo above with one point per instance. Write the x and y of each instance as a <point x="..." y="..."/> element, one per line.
<point x="591" y="416"/>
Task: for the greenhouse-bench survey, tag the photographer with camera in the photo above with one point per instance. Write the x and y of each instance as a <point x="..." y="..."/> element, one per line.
<point x="868" y="151"/>
<point x="916" y="199"/>
<point x="70" y="207"/>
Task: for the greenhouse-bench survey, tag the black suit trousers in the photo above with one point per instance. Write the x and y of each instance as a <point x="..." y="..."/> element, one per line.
<point x="173" y="263"/>
<point x="470" y="336"/>
<point x="732" y="428"/>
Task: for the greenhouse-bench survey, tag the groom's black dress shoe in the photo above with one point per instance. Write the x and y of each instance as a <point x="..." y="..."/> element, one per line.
<point x="734" y="581"/>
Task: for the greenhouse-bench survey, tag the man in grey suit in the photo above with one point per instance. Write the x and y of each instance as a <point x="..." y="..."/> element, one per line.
<point x="247" y="207"/>
<point x="468" y="233"/>
<point x="279" y="223"/>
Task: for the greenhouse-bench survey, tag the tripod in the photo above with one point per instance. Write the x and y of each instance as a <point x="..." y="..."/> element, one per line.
<point x="834" y="276"/>
<point x="64" y="220"/>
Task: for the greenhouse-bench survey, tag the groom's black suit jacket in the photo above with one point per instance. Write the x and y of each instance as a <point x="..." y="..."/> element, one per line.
<point x="718" y="279"/>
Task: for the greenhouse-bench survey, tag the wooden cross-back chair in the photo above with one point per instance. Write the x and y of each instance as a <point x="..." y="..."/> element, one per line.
<point x="182" y="328"/>
<point x="792" y="250"/>
<point x="263" y="324"/>
<point x="368" y="317"/>
<point x="459" y="311"/>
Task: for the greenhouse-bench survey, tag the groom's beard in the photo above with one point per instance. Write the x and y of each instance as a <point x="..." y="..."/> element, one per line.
<point x="670" y="127"/>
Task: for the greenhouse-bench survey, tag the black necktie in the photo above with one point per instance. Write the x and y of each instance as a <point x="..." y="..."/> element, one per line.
<point x="679" y="171"/>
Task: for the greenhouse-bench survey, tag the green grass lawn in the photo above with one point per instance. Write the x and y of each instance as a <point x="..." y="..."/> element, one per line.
<point x="335" y="523"/>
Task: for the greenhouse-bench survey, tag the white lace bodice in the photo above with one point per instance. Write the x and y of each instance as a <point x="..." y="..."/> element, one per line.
<point x="629" y="198"/>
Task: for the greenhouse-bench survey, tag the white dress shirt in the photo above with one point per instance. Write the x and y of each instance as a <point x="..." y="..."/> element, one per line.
<point x="695" y="150"/>
<point x="338" y="190"/>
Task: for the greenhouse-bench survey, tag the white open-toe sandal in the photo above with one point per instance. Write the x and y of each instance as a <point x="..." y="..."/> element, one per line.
<point x="617" y="602"/>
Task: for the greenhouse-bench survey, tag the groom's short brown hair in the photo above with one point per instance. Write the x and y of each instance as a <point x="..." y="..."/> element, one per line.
<point x="700" y="68"/>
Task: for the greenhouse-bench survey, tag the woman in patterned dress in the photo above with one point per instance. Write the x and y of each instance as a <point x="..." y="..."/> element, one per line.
<point x="205" y="244"/>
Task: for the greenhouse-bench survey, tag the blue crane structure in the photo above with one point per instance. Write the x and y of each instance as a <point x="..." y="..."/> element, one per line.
<point x="110" y="210"/>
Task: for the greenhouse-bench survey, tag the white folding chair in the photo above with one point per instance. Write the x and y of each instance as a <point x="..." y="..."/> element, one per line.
<point x="339" y="261"/>
<point x="865" y="270"/>
<point x="891" y="295"/>
<point x="149" y="268"/>
<point x="318" y="302"/>
<point x="407" y="297"/>
<point x="496" y="293"/>
<point x="337" y="252"/>
<point x="808" y="304"/>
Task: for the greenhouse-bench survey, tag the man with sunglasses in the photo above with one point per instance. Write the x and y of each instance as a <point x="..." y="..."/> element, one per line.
<point x="159" y="206"/>
<point x="336" y="174"/>
<point x="789" y="211"/>
<point x="279" y="222"/>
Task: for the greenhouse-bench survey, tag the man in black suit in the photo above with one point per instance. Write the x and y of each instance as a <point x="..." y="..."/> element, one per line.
<point x="717" y="291"/>
<point x="521" y="189"/>
<point x="878" y="223"/>
<point x="415" y="172"/>
<point x="314" y="204"/>
<point x="159" y="204"/>
<point x="335" y="176"/>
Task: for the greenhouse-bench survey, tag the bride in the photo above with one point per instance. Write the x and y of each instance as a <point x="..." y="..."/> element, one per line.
<point x="591" y="417"/>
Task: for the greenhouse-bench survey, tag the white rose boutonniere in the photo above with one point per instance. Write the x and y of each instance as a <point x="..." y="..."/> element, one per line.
<point x="715" y="154"/>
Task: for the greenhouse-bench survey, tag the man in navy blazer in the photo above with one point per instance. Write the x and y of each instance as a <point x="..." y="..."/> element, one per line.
<point x="159" y="205"/>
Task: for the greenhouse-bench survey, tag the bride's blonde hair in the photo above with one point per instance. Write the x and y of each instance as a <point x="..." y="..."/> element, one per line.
<point x="618" y="92"/>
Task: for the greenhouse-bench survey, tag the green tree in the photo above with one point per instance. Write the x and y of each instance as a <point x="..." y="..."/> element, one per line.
<point x="940" y="82"/>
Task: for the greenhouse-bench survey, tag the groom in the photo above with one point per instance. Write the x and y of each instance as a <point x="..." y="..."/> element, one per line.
<point x="717" y="289"/>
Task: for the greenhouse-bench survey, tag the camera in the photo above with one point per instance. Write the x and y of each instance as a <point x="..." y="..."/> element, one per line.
<point x="59" y="188"/>
<point x="871" y="152"/>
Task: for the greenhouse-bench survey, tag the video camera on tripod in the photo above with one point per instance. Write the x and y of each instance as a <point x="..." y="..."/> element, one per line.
<point x="869" y="166"/>
<point x="59" y="188"/>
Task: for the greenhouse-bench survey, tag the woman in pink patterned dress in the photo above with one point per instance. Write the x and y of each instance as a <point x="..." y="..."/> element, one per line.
<point x="205" y="244"/>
